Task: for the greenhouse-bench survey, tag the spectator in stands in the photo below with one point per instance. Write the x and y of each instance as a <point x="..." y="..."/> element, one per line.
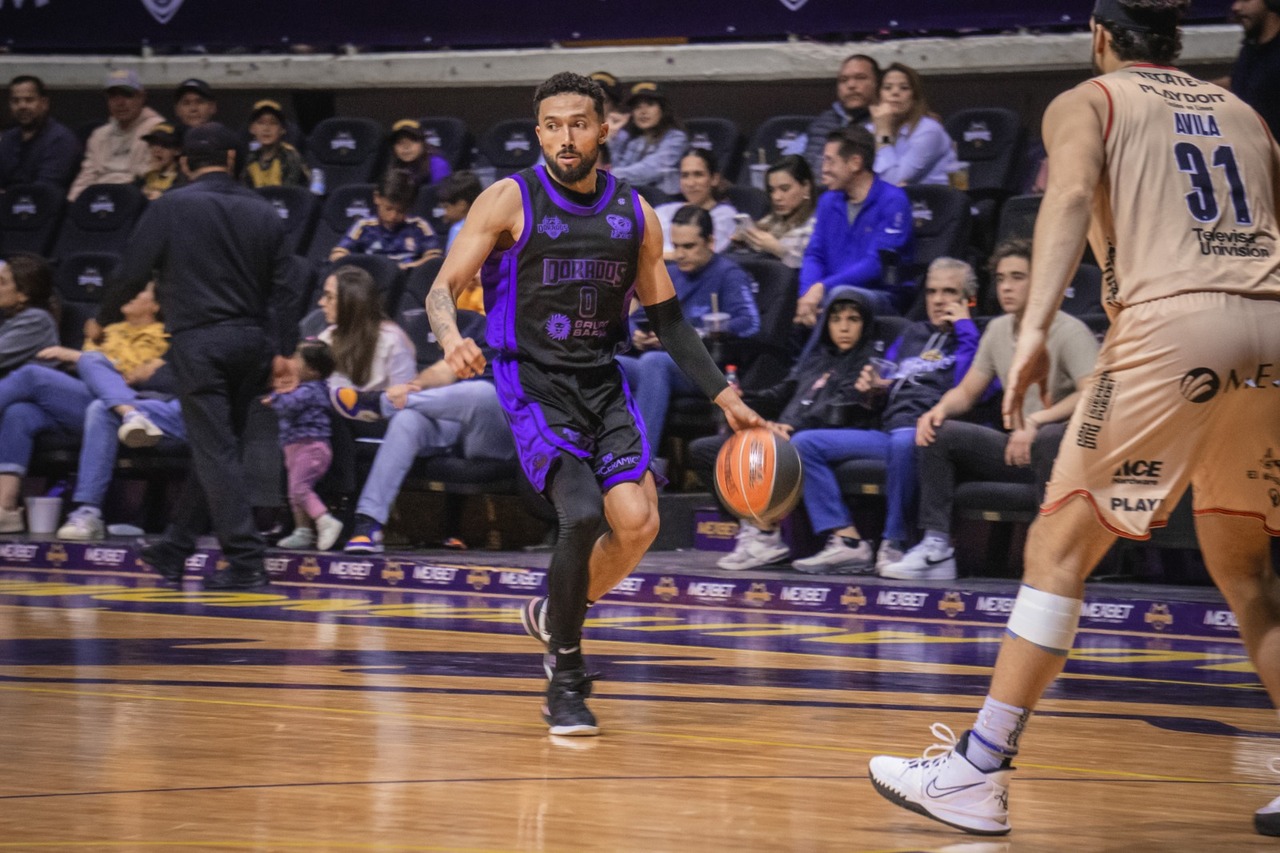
<point x="304" y="434"/>
<point x="912" y="147"/>
<point x="615" y="113"/>
<point x="1256" y="75"/>
<point x="28" y="309"/>
<point x="413" y="155"/>
<point x="370" y="353"/>
<point x="36" y="398"/>
<point x="700" y="186"/>
<point x="705" y="283"/>
<point x="858" y="217"/>
<point x="950" y="448"/>
<point x="820" y="392"/>
<point x="434" y="415"/>
<point x="456" y="194"/>
<point x="654" y="140"/>
<point x="39" y="149"/>
<point x="857" y="86"/>
<point x="407" y="240"/>
<point x="194" y="104"/>
<point x="927" y="360"/>
<point x="116" y="152"/>
<point x="275" y="163"/>
<point x="164" y="148"/>
<point x="784" y="233"/>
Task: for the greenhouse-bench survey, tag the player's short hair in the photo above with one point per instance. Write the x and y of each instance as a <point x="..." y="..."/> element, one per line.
<point x="876" y="71"/>
<point x="969" y="279"/>
<point x="855" y="140"/>
<point x="691" y="214"/>
<point x="1015" y="247"/>
<point x="1158" y="42"/>
<point x="568" y="83"/>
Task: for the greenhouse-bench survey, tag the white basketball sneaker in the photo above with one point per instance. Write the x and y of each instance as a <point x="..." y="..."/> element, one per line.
<point x="837" y="558"/>
<point x="943" y="785"/>
<point x="931" y="560"/>
<point x="754" y="549"/>
<point x="1266" y="820"/>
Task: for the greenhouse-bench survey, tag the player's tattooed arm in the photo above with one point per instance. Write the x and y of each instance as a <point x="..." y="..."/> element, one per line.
<point x="442" y="311"/>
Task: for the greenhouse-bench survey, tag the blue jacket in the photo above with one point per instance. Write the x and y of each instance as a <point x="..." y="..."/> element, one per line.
<point x="51" y="157"/>
<point x="840" y="253"/>
<point x="733" y="288"/>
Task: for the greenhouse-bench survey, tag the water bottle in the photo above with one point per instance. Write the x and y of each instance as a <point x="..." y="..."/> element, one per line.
<point x="317" y="181"/>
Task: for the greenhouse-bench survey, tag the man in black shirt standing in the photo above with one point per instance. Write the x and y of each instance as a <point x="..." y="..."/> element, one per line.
<point x="1256" y="75"/>
<point x="222" y="280"/>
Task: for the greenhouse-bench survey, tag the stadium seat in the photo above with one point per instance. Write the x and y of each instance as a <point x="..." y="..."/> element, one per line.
<point x="346" y="148"/>
<point x="417" y="283"/>
<point x="386" y="274"/>
<point x="990" y="141"/>
<point x="340" y="209"/>
<point x="774" y="139"/>
<point x="1018" y="217"/>
<point x="653" y="195"/>
<point x="721" y="137"/>
<point x="416" y="325"/>
<point x="764" y="360"/>
<point x="451" y="136"/>
<point x="1083" y="296"/>
<point x="941" y="226"/>
<point x="99" y="220"/>
<point x="297" y="208"/>
<point x="29" y="217"/>
<point x="510" y="146"/>
<point x="749" y="200"/>
<point x="428" y="206"/>
<point x="79" y="281"/>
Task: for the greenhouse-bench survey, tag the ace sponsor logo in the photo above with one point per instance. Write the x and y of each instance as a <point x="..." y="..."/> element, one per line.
<point x="710" y="591"/>
<point x="629" y="586"/>
<point x="434" y="575"/>
<point x="812" y="596"/>
<point x="107" y="557"/>
<point x="19" y="552"/>
<point x="351" y="570"/>
<point x="521" y="580"/>
<point x="276" y="566"/>
<point x="900" y="600"/>
<point x="1102" y="611"/>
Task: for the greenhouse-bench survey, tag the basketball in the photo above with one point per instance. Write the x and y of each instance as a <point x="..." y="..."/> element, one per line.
<point x="758" y="476"/>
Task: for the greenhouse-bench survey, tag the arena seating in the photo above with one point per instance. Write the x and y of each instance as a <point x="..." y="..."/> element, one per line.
<point x="720" y="136"/>
<point x="29" y="218"/>
<point x="509" y="146"/>
<point x="298" y="210"/>
<point x="451" y="136"/>
<point x="99" y="220"/>
<point x="347" y="148"/>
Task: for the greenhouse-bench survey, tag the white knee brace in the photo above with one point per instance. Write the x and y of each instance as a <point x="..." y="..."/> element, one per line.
<point x="1046" y="620"/>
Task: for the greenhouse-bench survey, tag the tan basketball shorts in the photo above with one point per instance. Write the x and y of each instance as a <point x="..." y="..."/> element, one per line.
<point x="1186" y="390"/>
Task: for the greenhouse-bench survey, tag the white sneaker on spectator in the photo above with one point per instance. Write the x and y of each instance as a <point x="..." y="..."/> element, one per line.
<point x="888" y="553"/>
<point x="11" y="521"/>
<point x="838" y="558"/>
<point x="754" y="549"/>
<point x="300" y="538"/>
<point x="932" y="560"/>
<point x="138" y="431"/>
<point x="84" y="524"/>
<point x="328" y="529"/>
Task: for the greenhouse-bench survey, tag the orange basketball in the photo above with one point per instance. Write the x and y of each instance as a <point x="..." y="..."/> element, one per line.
<point x="758" y="475"/>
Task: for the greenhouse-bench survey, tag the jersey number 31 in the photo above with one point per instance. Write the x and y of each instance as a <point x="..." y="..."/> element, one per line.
<point x="1201" y="201"/>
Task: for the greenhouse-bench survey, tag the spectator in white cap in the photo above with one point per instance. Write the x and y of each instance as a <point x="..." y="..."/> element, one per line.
<point x="116" y="152"/>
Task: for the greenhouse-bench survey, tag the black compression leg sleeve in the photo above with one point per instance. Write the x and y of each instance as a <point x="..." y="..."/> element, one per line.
<point x="580" y="508"/>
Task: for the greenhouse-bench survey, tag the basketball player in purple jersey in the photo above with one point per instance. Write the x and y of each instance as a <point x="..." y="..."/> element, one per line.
<point x="1175" y="183"/>
<point x="561" y="251"/>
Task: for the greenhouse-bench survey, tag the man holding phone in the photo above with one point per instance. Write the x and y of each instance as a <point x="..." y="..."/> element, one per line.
<point x="954" y="450"/>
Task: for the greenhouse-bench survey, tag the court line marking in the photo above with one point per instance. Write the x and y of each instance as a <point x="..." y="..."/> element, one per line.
<point x="642" y="733"/>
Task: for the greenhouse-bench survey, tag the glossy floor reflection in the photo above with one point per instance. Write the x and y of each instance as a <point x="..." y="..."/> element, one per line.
<point x="311" y="719"/>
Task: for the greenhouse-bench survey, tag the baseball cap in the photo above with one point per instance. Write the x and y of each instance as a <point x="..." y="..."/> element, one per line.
<point x="647" y="89"/>
<point x="210" y="138"/>
<point x="123" y="78"/>
<point x="194" y="84"/>
<point x="163" y="134"/>
<point x="612" y="88"/>
<point x="264" y="107"/>
<point x="407" y="127"/>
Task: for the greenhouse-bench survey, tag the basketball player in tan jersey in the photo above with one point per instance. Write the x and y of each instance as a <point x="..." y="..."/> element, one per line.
<point x="1176" y="183"/>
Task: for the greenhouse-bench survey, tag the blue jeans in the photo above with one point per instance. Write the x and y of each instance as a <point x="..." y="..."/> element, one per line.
<point x="463" y="419"/>
<point x="821" y="450"/>
<point x="99" y="446"/>
<point x="103" y="380"/>
<point x="654" y="377"/>
<point x="36" y="399"/>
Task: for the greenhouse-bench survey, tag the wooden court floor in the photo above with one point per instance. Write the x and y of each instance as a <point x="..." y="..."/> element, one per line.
<point x="135" y="718"/>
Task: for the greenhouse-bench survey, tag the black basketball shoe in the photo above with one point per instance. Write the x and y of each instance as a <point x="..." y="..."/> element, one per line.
<point x="566" y="709"/>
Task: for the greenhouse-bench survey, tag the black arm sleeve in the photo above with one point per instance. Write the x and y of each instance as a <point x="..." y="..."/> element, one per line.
<point x="686" y="349"/>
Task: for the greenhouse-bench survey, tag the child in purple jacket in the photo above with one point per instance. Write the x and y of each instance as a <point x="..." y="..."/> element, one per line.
<point x="304" y="435"/>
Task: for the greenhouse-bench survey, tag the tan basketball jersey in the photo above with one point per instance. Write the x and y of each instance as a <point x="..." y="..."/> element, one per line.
<point x="1185" y="202"/>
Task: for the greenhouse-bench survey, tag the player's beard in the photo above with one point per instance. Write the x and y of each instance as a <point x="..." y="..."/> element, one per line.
<point x="569" y="177"/>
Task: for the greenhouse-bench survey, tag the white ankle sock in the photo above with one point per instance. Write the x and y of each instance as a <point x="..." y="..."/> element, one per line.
<point x="995" y="734"/>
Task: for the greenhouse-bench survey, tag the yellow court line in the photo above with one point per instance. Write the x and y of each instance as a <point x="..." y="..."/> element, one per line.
<point x="675" y="736"/>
